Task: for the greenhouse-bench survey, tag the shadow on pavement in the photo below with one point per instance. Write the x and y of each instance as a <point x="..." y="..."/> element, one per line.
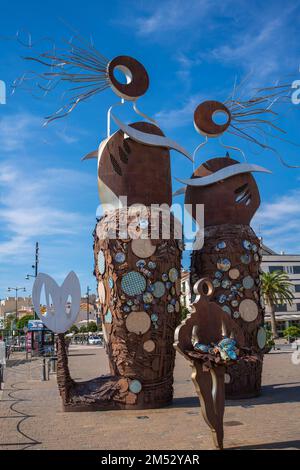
<point x="277" y="393"/>
<point x="269" y="445"/>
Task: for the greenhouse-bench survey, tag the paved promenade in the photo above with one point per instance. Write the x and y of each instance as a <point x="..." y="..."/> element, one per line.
<point x="31" y="415"/>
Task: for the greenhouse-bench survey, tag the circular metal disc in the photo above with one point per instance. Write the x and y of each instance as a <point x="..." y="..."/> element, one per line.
<point x="227" y="378"/>
<point x="135" y="386"/>
<point x="101" y="292"/>
<point x="143" y="248"/>
<point x="133" y="283"/>
<point x="138" y="80"/>
<point x="234" y="273"/>
<point x="248" y="310"/>
<point x="108" y="317"/>
<point x="138" y="322"/>
<point x="101" y="262"/>
<point x="223" y="264"/>
<point x="158" y="289"/>
<point x="149" y="345"/>
<point x="248" y="282"/>
<point x="173" y="274"/>
<point x="203" y="118"/>
<point x="261" y="337"/>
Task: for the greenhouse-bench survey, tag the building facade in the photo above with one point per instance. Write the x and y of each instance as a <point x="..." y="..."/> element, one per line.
<point x="286" y="315"/>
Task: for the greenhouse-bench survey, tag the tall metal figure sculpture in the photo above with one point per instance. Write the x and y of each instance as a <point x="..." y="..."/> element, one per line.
<point x="231" y="254"/>
<point x="137" y="262"/>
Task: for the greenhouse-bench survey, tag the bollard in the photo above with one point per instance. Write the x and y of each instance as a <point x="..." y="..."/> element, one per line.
<point x="43" y="377"/>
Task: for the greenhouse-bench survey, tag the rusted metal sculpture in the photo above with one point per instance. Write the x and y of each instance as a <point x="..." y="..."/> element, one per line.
<point x="137" y="259"/>
<point x="202" y="339"/>
<point x="231" y="254"/>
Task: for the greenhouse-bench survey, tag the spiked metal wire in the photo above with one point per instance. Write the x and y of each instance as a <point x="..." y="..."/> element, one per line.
<point x="79" y="63"/>
<point x="254" y="119"/>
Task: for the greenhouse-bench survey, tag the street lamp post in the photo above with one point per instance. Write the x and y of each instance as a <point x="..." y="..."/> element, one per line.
<point x="16" y="289"/>
<point x="87" y="305"/>
<point x="35" y="267"/>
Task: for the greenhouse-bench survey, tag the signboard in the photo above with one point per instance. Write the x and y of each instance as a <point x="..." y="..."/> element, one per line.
<point x="35" y="325"/>
<point x="1" y="323"/>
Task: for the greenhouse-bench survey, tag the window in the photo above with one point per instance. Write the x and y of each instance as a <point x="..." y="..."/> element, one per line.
<point x="297" y="288"/>
<point x="298" y="307"/>
<point x="275" y="268"/>
<point x="296" y="269"/>
<point x="280" y="308"/>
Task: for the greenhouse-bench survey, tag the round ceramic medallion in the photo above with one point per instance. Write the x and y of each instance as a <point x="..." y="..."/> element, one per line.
<point x="138" y="322"/>
<point x="170" y="308"/>
<point x="165" y="277"/>
<point x="141" y="263"/>
<point x="216" y="283"/>
<point x="248" y="282"/>
<point x="133" y="283"/>
<point x="111" y="282"/>
<point x="143" y="248"/>
<point x="126" y="309"/>
<point x="248" y="310"/>
<point x="158" y="289"/>
<point x="147" y="297"/>
<point x="143" y="223"/>
<point x="101" y="292"/>
<point x="218" y="275"/>
<point x="236" y="314"/>
<point x="108" y="317"/>
<point x="245" y="259"/>
<point x="226" y="309"/>
<point x="226" y="284"/>
<point x="154" y="317"/>
<point x="151" y="265"/>
<point x="173" y="274"/>
<point x="235" y="303"/>
<point x="261" y="338"/>
<point x="221" y="245"/>
<point x="149" y="345"/>
<point x="226" y="378"/>
<point x="223" y="264"/>
<point x="119" y="257"/>
<point x="234" y="273"/>
<point x="222" y="299"/>
<point x="101" y="262"/>
<point x="135" y="386"/>
<point x="247" y="245"/>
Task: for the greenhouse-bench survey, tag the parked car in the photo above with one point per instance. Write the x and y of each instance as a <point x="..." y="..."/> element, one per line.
<point x="94" y="340"/>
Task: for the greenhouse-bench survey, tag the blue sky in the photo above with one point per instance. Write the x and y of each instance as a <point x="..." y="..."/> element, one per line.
<point x="193" y="50"/>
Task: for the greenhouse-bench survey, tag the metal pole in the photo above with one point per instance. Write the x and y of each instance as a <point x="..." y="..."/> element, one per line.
<point x="88" y="305"/>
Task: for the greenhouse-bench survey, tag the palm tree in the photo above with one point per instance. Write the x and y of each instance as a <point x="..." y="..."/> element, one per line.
<point x="276" y="289"/>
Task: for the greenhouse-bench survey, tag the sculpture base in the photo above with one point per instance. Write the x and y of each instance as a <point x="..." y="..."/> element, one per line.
<point x="245" y="380"/>
<point x="112" y="393"/>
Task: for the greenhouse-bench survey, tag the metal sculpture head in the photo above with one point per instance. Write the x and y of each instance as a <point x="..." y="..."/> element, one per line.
<point x="228" y="197"/>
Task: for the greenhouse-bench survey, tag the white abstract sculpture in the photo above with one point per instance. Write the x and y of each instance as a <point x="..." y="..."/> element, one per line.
<point x="60" y="314"/>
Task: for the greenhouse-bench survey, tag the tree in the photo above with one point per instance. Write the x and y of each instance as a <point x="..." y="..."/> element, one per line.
<point x="22" y="322"/>
<point x="292" y="332"/>
<point x="83" y="329"/>
<point x="92" y="327"/>
<point x="277" y="290"/>
<point x="74" y="329"/>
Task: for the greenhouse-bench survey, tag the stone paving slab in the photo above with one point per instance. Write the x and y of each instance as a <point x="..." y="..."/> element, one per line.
<point x="270" y="421"/>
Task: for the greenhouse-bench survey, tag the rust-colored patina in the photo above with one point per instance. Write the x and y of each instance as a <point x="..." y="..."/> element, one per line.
<point x="203" y="118"/>
<point x="138" y="80"/>
<point x="229" y="206"/>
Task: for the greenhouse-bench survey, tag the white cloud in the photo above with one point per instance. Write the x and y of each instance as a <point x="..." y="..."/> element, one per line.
<point x="278" y="222"/>
<point x="173" y="15"/>
<point x="30" y="206"/>
<point x="179" y="116"/>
